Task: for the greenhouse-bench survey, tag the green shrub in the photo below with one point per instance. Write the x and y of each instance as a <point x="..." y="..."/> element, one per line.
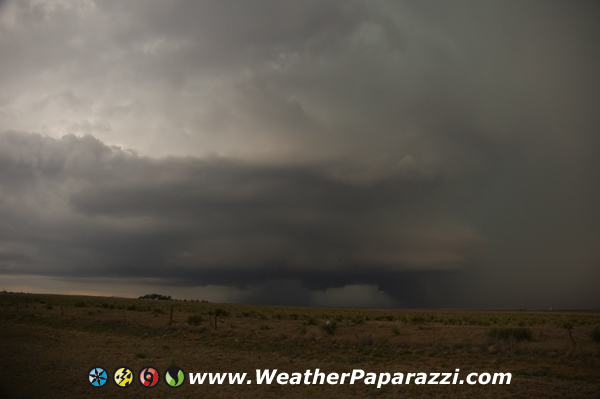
<point x="330" y="327"/>
<point x="79" y="304"/>
<point x="194" y="320"/>
<point x="366" y="340"/>
<point x="220" y="312"/>
<point x="516" y="333"/>
<point x="140" y="355"/>
<point x="595" y="334"/>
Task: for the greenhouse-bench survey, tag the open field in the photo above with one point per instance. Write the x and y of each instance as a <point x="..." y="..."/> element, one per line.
<point x="49" y="342"/>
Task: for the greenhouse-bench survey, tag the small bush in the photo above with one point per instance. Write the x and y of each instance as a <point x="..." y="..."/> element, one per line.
<point x="517" y="333"/>
<point x="366" y="340"/>
<point x="595" y="334"/>
<point x="80" y="304"/>
<point x="140" y="355"/>
<point x="418" y="319"/>
<point x="49" y="306"/>
<point x="194" y="320"/>
<point x="330" y="327"/>
<point x="220" y="312"/>
<point x="569" y="325"/>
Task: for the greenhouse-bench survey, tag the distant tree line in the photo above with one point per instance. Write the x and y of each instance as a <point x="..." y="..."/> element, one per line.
<point x="156" y="297"/>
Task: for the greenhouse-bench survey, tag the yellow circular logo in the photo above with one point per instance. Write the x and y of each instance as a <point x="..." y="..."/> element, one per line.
<point x="123" y="377"/>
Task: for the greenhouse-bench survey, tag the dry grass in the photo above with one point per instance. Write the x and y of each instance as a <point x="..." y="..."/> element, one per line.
<point x="46" y="351"/>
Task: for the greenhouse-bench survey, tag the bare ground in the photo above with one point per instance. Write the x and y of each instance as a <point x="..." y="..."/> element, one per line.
<point x="46" y="352"/>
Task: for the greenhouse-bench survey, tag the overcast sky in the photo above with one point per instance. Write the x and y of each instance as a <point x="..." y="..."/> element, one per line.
<point x="327" y="153"/>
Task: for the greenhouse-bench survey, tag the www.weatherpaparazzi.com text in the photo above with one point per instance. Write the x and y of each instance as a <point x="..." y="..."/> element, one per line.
<point x="357" y="376"/>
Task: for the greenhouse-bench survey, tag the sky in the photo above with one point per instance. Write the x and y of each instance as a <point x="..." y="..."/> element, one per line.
<point x="418" y="154"/>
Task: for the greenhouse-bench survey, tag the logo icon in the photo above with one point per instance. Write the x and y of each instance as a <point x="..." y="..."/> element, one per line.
<point x="97" y="376"/>
<point x="149" y="377"/>
<point x="174" y="376"/>
<point x="124" y="377"/>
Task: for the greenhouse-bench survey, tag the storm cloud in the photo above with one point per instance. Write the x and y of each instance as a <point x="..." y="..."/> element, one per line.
<point x="340" y="153"/>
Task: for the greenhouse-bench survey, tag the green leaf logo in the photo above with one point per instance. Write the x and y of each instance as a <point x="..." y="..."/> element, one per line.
<point x="174" y="376"/>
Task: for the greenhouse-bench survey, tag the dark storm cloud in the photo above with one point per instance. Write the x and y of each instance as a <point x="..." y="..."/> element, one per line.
<point x="91" y="210"/>
<point x="445" y="153"/>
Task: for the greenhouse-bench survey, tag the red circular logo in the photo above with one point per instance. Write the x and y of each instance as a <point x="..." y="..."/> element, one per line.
<point x="149" y="377"/>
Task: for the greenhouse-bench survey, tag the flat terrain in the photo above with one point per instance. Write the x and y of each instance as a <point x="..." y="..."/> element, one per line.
<point x="48" y="343"/>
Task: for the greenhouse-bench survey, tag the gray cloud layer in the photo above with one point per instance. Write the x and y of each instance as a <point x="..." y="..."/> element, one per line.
<point x="445" y="154"/>
<point x="76" y="207"/>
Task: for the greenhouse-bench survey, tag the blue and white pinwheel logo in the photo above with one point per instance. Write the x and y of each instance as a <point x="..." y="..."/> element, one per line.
<point x="97" y="376"/>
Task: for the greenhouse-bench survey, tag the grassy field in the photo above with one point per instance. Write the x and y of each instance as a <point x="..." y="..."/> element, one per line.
<point x="49" y="342"/>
